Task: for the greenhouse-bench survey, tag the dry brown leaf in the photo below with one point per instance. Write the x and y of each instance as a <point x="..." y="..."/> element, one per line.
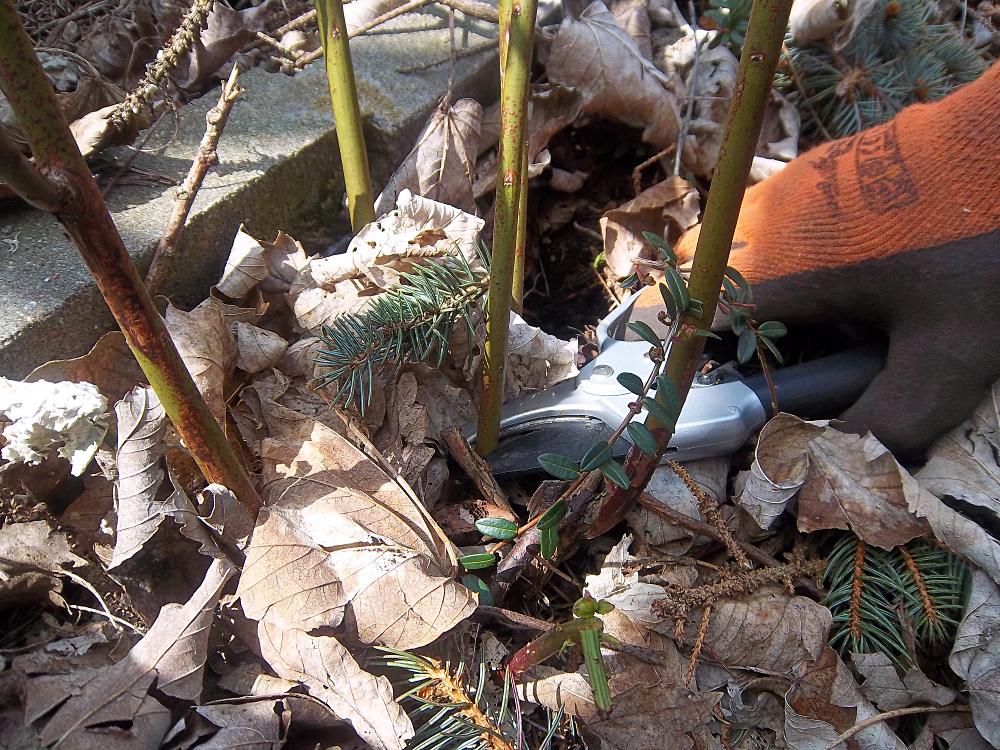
<point x="332" y="675"/>
<point x="667" y="209"/>
<point x="667" y="487"/>
<point x="441" y="166"/>
<point x="652" y="719"/>
<point x="369" y="544"/>
<point x="208" y="349"/>
<point x="360" y="12"/>
<point x="768" y="629"/>
<point x="109" y="365"/>
<point x="171" y="656"/>
<point x="31" y="557"/>
<point x="882" y="685"/>
<point x="241" y="725"/>
<point x="257" y="349"/>
<point x="633" y="17"/>
<point x="99" y="130"/>
<point x="87" y="512"/>
<point x="246" y="266"/>
<point x="975" y="657"/>
<point x="781" y="462"/>
<point x="824" y="701"/>
<point x="403" y="439"/>
<point x="597" y="57"/>
<point x="285" y="260"/>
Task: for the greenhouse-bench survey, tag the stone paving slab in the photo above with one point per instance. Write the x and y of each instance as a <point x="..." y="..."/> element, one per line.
<point x="279" y="168"/>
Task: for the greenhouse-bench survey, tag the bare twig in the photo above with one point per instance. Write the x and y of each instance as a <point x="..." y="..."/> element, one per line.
<point x="477" y="469"/>
<point x="692" y="93"/>
<point x="637" y="172"/>
<point x="700" y="527"/>
<point x="893" y="715"/>
<point x="216" y="119"/>
<point x="26" y="179"/>
<point x="459" y="55"/>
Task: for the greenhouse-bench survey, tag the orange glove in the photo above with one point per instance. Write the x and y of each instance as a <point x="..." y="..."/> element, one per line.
<point x="899" y="228"/>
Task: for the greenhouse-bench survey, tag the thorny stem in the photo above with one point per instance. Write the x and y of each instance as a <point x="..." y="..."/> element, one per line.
<point x="513" y="128"/>
<point x="759" y="60"/>
<point x="86" y="219"/>
<point x="346" y="112"/>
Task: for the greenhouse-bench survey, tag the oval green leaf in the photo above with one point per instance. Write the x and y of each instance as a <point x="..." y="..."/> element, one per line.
<point x="678" y="289"/>
<point x="774" y="350"/>
<point x="668" y="300"/>
<point x="595" y="456"/>
<point x="772" y="329"/>
<point x="746" y="346"/>
<point x="475" y="562"/>
<point x="658" y="413"/>
<point x="497" y="528"/>
<point x="644" y="332"/>
<point x="559" y="466"/>
<point x="477" y="584"/>
<point x="642" y="438"/>
<point x="738" y="321"/>
<point x="613" y="472"/>
<point x="553" y="515"/>
<point x="666" y="394"/>
<point x="632" y="382"/>
<point x="549" y="539"/>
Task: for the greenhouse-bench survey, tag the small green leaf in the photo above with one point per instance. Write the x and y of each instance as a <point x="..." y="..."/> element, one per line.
<point x="613" y="472"/>
<point x="704" y="333"/>
<point x="772" y="329"/>
<point x="667" y="254"/>
<point x="668" y="300"/>
<point x="497" y="528"/>
<point x="644" y="332"/>
<point x="643" y="438"/>
<point x="678" y="289"/>
<point x="559" y="466"/>
<point x="553" y="515"/>
<point x="695" y="308"/>
<point x="477" y="584"/>
<point x="747" y="346"/>
<point x="549" y="539"/>
<point x="728" y="290"/>
<point x="658" y="413"/>
<point x="595" y="456"/>
<point x="632" y="382"/>
<point x="631" y="281"/>
<point x="604" y="606"/>
<point x="741" y="282"/>
<point x="774" y="350"/>
<point x="738" y="321"/>
<point x="475" y="562"/>
<point x="667" y="394"/>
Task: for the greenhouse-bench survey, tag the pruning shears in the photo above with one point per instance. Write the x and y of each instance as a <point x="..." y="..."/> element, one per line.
<point x="722" y="409"/>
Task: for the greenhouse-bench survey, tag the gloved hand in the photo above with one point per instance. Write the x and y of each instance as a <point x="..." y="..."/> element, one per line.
<point x="897" y="227"/>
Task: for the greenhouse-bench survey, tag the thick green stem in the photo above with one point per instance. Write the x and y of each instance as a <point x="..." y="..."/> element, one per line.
<point x="346" y="113"/>
<point x="513" y="127"/>
<point x="86" y="219"/>
<point x="759" y="60"/>
<point x="517" y="288"/>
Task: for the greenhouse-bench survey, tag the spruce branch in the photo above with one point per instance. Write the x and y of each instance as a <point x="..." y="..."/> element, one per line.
<point x="409" y="323"/>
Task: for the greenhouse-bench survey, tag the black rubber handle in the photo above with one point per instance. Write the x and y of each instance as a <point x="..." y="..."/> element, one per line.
<point x="823" y="387"/>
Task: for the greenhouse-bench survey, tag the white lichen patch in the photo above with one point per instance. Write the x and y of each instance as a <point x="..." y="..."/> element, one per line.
<point x="43" y="414"/>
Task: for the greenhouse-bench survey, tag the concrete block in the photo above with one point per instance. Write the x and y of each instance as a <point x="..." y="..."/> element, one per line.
<point x="279" y="168"/>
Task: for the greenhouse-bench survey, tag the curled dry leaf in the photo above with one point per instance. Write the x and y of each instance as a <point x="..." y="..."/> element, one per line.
<point x="536" y="359"/>
<point x="850" y="482"/>
<point x="633" y="17"/>
<point x="257" y="349"/>
<point x="170" y="656"/>
<point x="812" y="20"/>
<point x="781" y="462"/>
<point x="208" y="349"/>
<point x="255" y="725"/>
<point x="246" y="266"/>
<point x="597" y="57"/>
<point x="360" y="541"/>
<point x="711" y="474"/>
<point x="442" y="165"/>
<point x="667" y="209"/>
<point x="332" y="675"/>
